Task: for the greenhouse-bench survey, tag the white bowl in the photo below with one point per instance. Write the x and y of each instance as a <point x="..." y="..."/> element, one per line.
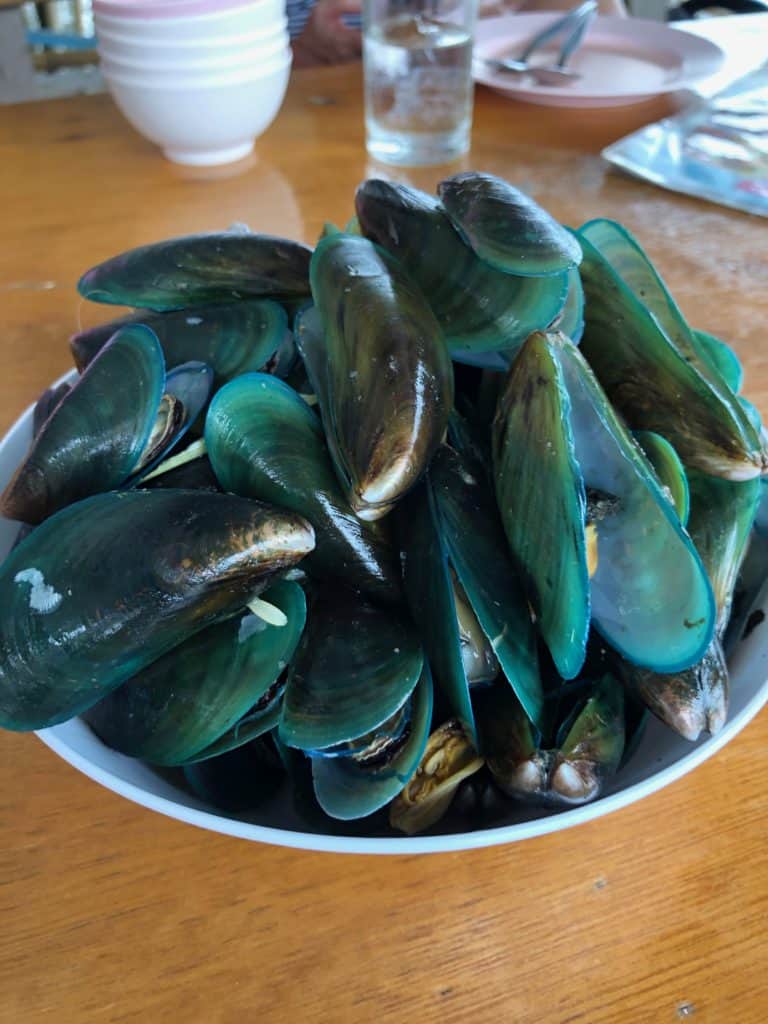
<point x="661" y="758"/>
<point x="234" y="61"/>
<point x="252" y="17"/>
<point x="137" y="47"/>
<point x="203" y="120"/>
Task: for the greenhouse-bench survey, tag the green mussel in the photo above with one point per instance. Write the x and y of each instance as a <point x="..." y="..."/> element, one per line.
<point x="448" y="758"/>
<point x="505" y="227"/>
<point x="479" y="308"/>
<point x="464" y="589"/>
<point x="648" y="362"/>
<point x="211" y="693"/>
<point x="120" y="417"/>
<point x="108" y="585"/>
<point x="231" y="338"/>
<point x="587" y="748"/>
<point x="265" y="442"/>
<point x="555" y="437"/>
<point x="197" y="269"/>
<point x="354" y="786"/>
<point x="380" y="369"/>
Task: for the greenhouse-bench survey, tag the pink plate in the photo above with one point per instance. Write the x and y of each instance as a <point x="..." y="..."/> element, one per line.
<point x="621" y="61"/>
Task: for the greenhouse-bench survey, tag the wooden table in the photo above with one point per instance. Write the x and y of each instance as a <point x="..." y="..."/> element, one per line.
<point x="110" y="913"/>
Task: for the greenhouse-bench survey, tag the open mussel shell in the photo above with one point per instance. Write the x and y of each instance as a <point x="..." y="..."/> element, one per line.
<point x="356" y="666"/>
<point x="479" y="555"/>
<point x="449" y="757"/>
<point x="691" y="702"/>
<point x="380" y="369"/>
<point x="265" y="442"/>
<point x="721" y="356"/>
<point x="234" y="338"/>
<point x="479" y="308"/>
<point x="348" y="789"/>
<point x="505" y="227"/>
<point x="722" y="514"/>
<point x="184" y="702"/>
<point x="650" y="596"/>
<point x="653" y="385"/>
<point x="669" y="470"/>
<point x="587" y="750"/>
<point x="541" y="497"/>
<point x="187" y="390"/>
<point x="570" y="320"/>
<point x="200" y="269"/>
<point x="105" y="587"/>
<point x="592" y="747"/>
<point x="709" y="357"/>
<point x="95" y="436"/>
<point x="238" y="781"/>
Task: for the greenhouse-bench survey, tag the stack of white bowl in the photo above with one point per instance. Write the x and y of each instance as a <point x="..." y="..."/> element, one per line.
<point x="201" y="78"/>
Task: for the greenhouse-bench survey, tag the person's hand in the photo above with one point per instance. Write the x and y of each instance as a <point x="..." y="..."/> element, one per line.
<point x="325" y="38"/>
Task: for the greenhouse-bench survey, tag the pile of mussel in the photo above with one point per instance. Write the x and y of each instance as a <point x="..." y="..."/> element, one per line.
<point x="436" y="511"/>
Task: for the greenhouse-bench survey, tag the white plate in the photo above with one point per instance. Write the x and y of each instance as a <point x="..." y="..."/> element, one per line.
<point x="661" y="757"/>
<point x="621" y="61"/>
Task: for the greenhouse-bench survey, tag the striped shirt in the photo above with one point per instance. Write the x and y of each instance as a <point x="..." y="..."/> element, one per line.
<point x="297" y="12"/>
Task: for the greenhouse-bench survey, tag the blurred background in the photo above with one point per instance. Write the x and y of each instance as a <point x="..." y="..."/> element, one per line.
<point x="48" y="49"/>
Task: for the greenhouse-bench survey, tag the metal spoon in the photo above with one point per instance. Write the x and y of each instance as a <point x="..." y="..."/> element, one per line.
<point x="578" y="20"/>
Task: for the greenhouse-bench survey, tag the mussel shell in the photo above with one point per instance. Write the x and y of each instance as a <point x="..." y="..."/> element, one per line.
<point x="477" y="549"/>
<point x="505" y="227"/>
<point x="232" y="339"/>
<point x="347" y="790"/>
<point x="573" y="770"/>
<point x="650" y="596"/>
<point x="480" y="309"/>
<point x="251" y="726"/>
<point x="356" y="665"/>
<point x="692" y="701"/>
<point x="722" y="513"/>
<point x="380" y="369"/>
<point x="199" y="269"/>
<point x="45" y="405"/>
<point x="191" y="696"/>
<point x="191" y="385"/>
<point x="593" y="746"/>
<point x="669" y="469"/>
<point x="265" y="442"/>
<point x="721" y="357"/>
<point x="540" y="493"/>
<point x="628" y="261"/>
<point x="428" y="588"/>
<point x="654" y="386"/>
<point x="570" y="320"/>
<point x="105" y="587"/>
<point x="95" y="435"/>
<point x="448" y="758"/>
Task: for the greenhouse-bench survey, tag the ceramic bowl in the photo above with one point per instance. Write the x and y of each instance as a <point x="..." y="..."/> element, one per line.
<point x="132" y="48"/>
<point x="204" y="22"/>
<point x="203" y="119"/>
<point x="232" y="62"/>
<point x="661" y="758"/>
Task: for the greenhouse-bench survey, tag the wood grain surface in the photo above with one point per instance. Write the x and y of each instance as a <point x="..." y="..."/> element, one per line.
<point x="110" y="913"/>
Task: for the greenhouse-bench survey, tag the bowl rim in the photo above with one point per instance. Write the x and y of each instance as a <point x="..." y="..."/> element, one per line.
<point x="170" y="11"/>
<point x="196" y="82"/>
<point x="396" y="845"/>
<point x="452" y="843"/>
<point x="242" y="58"/>
<point x="216" y="43"/>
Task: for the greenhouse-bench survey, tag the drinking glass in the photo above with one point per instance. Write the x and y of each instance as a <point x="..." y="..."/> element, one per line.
<point x="417" y="61"/>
